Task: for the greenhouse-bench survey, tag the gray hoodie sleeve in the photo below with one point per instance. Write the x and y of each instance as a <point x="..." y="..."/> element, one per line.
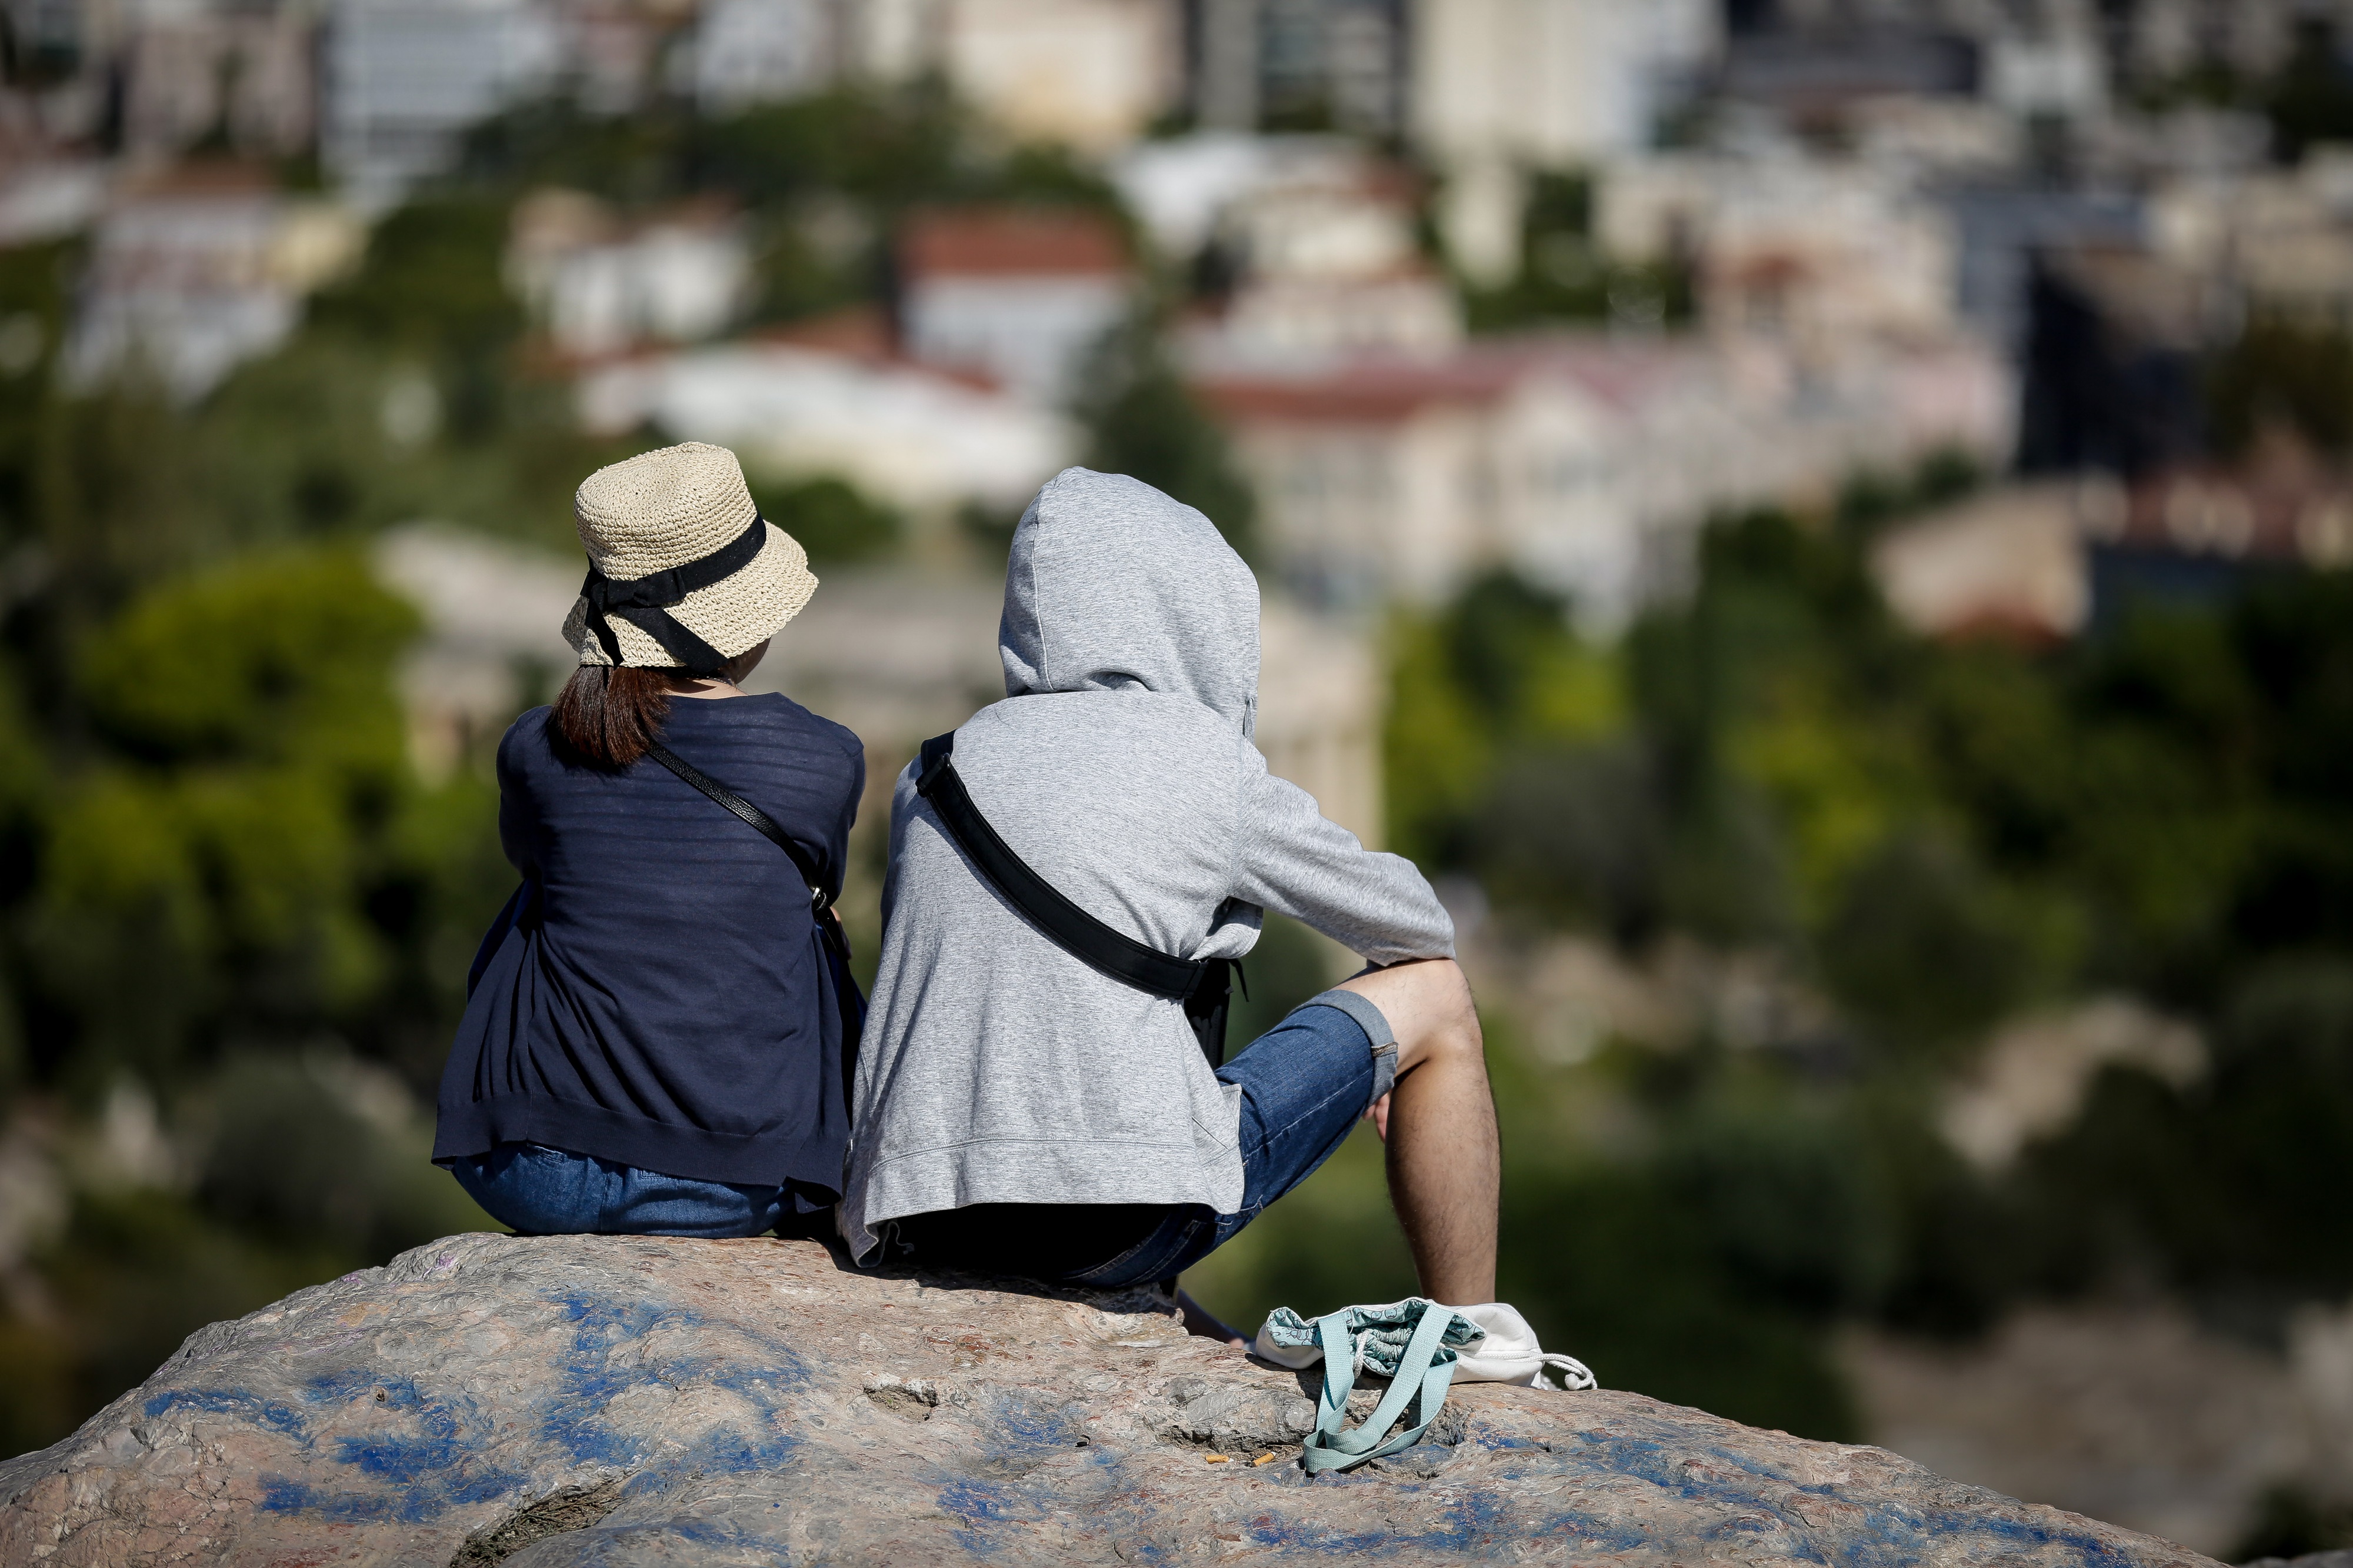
<point x="1296" y="863"/>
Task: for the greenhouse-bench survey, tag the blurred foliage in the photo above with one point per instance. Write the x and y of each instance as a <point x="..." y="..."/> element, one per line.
<point x="2310" y="100"/>
<point x="2289" y="1523"/>
<point x="1142" y="420"/>
<point x="227" y="887"/>
<point x="1932" y="839"/>
<point x="832" y="521"/>
<point x="2282" y="375"/>
<point x="1564" y="277"/>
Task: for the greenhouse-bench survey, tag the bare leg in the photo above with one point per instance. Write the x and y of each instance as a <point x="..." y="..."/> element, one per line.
<point x="1445" y="1158"/>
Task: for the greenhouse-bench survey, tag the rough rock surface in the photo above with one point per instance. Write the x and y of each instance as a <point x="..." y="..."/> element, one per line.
<point x="636" y="1401"/>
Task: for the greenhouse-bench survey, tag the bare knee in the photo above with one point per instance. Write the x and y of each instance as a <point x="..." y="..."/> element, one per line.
<point x="1429" y="1006"/>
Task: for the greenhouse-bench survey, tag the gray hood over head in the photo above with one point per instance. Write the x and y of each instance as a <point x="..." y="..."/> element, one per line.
<point x="1113" y="586"/>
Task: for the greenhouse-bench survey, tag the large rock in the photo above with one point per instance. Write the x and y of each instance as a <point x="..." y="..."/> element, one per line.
<point x="636" y="1401"/>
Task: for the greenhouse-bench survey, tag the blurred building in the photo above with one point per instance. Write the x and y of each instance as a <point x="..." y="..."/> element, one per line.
<point x="1813" y="251"/>
<point x="406" y="77"/>
<point x="1089" y="74"/>
<point x="2001" y="226"/>
<point x="1501" y="86"/>
<point x="246" y="78"/>
<point x="907" y="434"/>
<point x="2010" y="563"/>
<point x="2049" y="62"/>
<point x="598" y="285"/>
<point x="1319" y="254"/>
<point x="1298" y="64"/>
<point x="763" y="51"/>
<point x="1554" y="82"/>
<point x="50" y="199"/>
<point x="1019" y="295"/>
<point x="1814" y="73"/>
<point x="2162" y="41"/>
<point x="1093" y="74"/>
<point x="194" y="273"/>
<point x="1587" y="463"/>
<point x="2195" y="533"/>
<point x="2280" y="242"/>
<point x="493" y="643"/>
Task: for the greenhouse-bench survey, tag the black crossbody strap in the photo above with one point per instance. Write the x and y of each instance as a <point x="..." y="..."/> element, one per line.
<point x="820" y="898"/>
<point x="1077" y="932"/>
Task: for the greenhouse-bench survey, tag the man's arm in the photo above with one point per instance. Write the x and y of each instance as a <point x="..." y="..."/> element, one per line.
<point x="1297" y="863"/>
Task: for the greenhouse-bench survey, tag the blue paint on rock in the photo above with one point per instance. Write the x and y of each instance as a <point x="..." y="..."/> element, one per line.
<point x="235" y="1402"/>
<point x="359" y="1383"/>
<point x="601" y="1364"/>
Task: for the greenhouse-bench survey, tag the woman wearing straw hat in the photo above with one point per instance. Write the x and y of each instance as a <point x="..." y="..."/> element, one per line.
<point x="660" y="1026"/>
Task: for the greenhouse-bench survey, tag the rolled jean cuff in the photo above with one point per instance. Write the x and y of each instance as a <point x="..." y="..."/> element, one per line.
<point x="1377" y="1029"/>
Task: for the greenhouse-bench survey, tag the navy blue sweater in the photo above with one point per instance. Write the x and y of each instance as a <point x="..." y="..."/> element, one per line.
<point x="658" y="994"/>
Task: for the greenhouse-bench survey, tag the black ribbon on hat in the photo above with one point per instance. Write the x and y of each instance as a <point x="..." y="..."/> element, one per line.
<point x="644" y="601"/>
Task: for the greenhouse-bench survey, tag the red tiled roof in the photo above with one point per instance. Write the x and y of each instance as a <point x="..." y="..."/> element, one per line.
<point x="1010" y="242"/>
<point x="204" y="177"/>
<point x="1384" y="394"/>
<point x="1371" y="390"/>
<point x="858" y="332"/>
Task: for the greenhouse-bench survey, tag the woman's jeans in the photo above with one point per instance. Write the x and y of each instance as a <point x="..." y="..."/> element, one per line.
<point x="539" y="1191"/>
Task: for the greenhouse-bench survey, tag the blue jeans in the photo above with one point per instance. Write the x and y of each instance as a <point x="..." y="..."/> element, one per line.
<point x="539" y="1191"/>
<point x="1304" y="1083"/>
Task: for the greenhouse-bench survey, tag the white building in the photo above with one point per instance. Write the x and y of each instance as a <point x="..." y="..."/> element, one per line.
<point x="762" y="51"/>
<point x="1587" y="463"/>
<point x="191" y="73"/>
<point x="1092" y="74"/>
<point x="50" y="200"/>
<point x="188" y="280"/>
<point x="2008" y="562"/>
<point x="1501" y="86"/>
<point x="2061" y="71"/>
<point x="598" y="286"/>
<point x="910" y="437"/>
<point x="1317" y="233"/>
<point x="406" y="77"/>
<point x="1811" y="251"/>
<point x="1018" y="295"/>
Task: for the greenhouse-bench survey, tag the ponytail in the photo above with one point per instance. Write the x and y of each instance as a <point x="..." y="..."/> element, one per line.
<point x="611" y="714"/>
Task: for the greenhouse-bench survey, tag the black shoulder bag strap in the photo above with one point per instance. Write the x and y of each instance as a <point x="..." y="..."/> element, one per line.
<point x="828" y="924"/>
<point x="1201" y="983"/>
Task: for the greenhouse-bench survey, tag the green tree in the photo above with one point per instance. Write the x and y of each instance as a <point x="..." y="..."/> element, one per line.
<point x="833" y="522"/>
<point x="1142" y="420"/>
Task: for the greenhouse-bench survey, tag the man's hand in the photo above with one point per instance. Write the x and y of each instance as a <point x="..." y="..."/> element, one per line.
<point x="1377" y="1113"/>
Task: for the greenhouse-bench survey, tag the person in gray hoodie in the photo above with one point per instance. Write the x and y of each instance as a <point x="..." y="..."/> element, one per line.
<point x="1017" y="1112"/>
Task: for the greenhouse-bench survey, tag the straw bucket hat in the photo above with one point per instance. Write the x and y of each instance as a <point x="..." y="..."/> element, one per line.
<point x="684" y="572"/>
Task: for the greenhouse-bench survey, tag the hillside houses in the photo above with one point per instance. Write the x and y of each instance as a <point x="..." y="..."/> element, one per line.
<point x="1587" y="462"/>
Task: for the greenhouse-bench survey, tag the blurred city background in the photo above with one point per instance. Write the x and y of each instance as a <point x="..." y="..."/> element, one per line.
<point x="1824" y="525"/>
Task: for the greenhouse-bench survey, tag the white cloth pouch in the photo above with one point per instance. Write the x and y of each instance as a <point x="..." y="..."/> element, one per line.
<point x="1509" y="1351"/>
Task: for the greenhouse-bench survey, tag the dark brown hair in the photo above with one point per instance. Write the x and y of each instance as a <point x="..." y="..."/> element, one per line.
<point x="610" y="715"/>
